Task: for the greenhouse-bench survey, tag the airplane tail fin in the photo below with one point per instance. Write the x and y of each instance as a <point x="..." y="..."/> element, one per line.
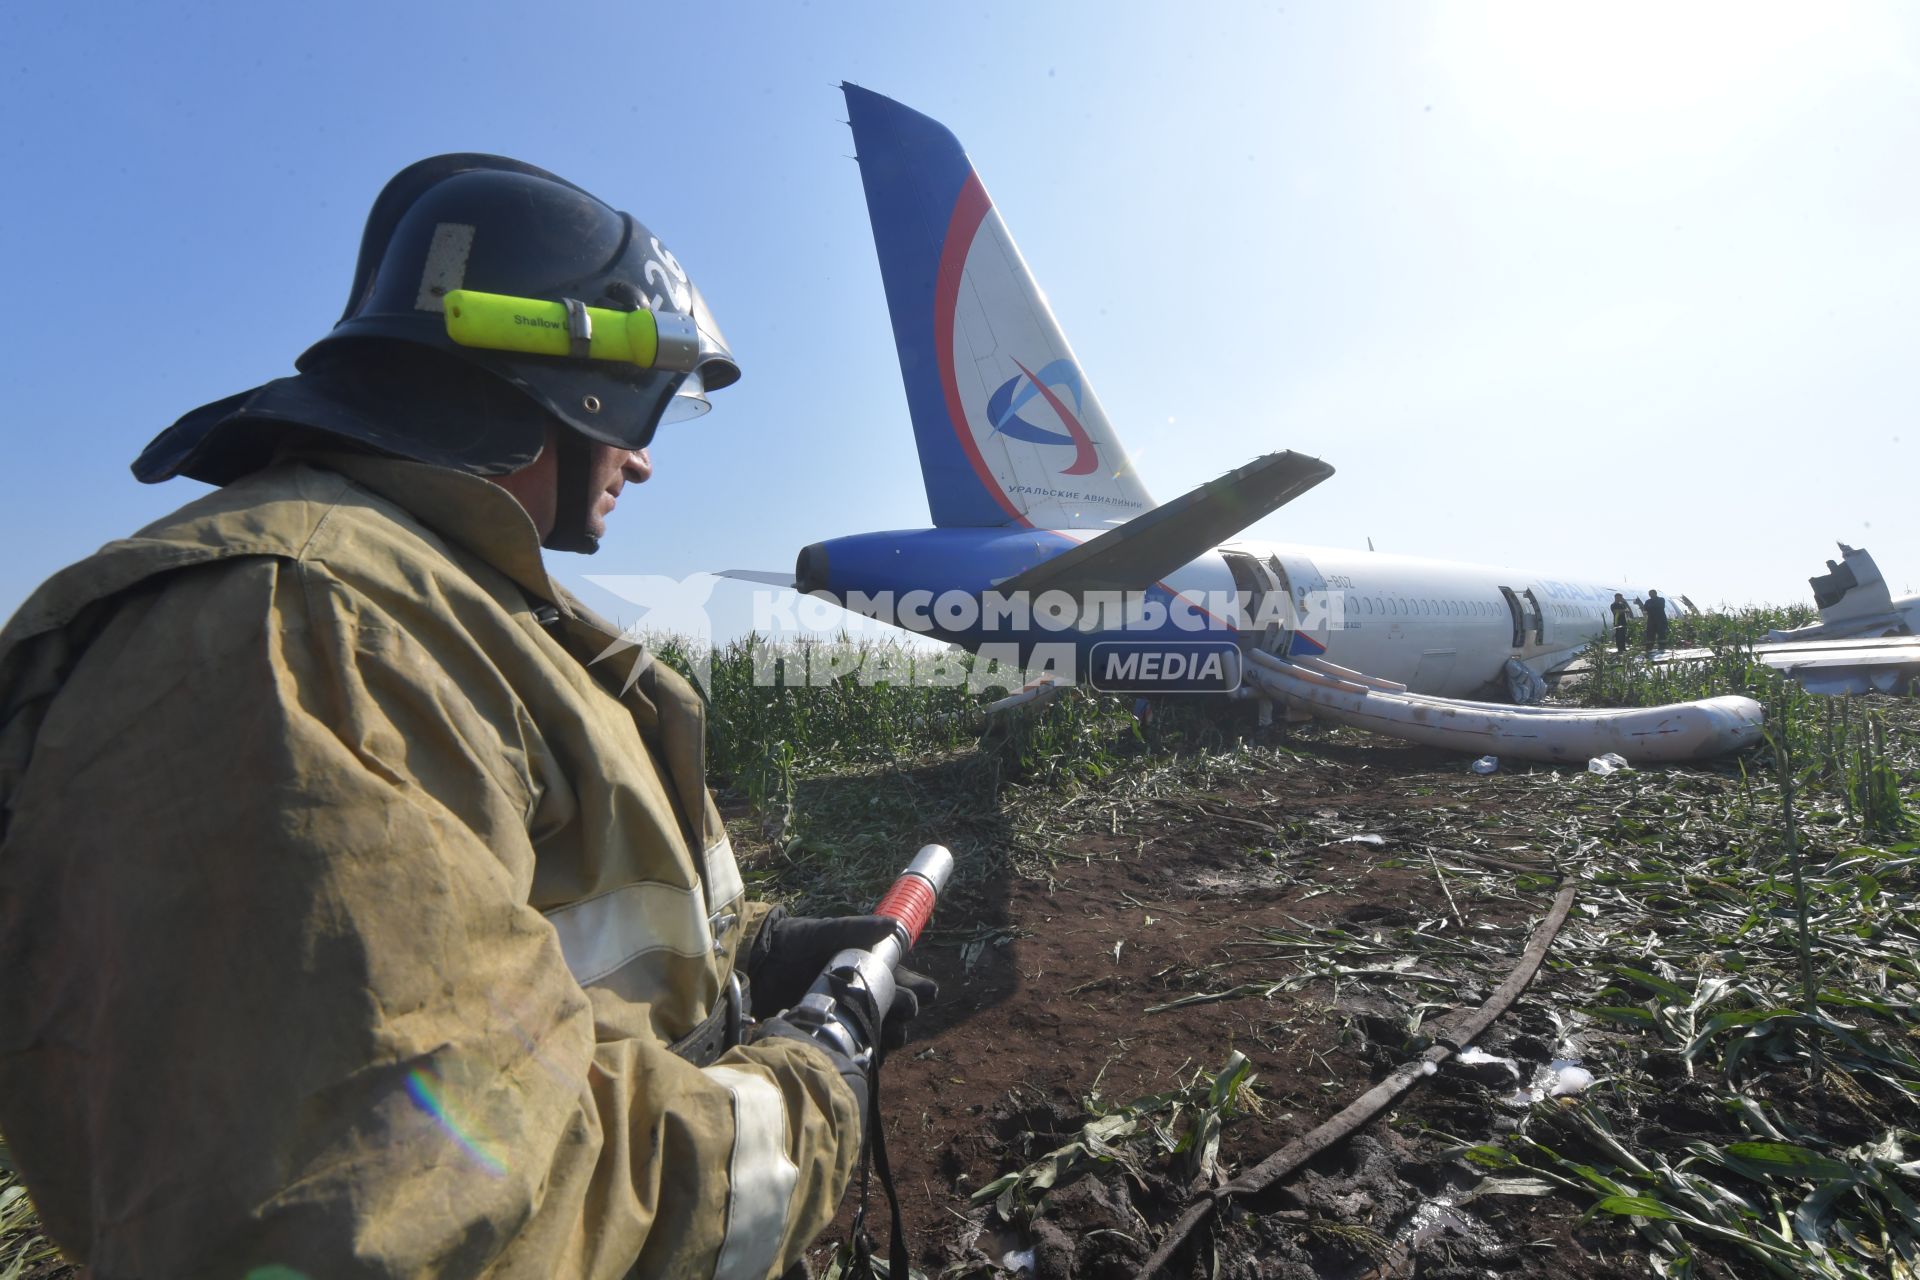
<point x="1008" y="427"/>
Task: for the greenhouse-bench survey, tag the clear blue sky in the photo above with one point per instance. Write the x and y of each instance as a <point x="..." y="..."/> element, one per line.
<point x="1631" y="292"/>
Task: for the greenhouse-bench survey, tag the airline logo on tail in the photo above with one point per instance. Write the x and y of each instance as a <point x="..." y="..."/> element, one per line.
<point x="986" y="309"/>
<point x="1004" y="405"/>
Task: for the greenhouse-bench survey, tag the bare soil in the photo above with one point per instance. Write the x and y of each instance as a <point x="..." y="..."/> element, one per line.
<point x="1054" y="1009"/>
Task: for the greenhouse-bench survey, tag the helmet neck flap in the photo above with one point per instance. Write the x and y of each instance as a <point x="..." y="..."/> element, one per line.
<point x="573" y="507"/>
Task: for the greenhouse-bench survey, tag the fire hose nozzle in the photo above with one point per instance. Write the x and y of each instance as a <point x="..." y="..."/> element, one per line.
<point x="864" y="977"/>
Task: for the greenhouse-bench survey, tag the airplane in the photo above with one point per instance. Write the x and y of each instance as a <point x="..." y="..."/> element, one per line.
<point x="1866" y="641"/>
<point x="1855" y="601"/>
<point x="1035" y="503"/>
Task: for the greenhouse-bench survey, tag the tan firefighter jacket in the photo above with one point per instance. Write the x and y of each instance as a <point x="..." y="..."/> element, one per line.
<point x="347" y="912"/>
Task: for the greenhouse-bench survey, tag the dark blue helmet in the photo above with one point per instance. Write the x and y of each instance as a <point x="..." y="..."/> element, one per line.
<point x="388" y="375"/>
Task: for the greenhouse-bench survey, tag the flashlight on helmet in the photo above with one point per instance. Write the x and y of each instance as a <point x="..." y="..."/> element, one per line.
<point x="664" y="340"/>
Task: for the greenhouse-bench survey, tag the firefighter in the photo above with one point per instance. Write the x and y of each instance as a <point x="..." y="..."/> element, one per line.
<point x="1622" y="619"/>
<point x="356" y="920"/>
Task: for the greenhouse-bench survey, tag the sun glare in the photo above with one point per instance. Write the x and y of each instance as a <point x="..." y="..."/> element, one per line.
<point x="1642" y="80"/>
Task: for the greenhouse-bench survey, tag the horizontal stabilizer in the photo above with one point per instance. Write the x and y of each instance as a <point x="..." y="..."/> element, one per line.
<point x="766" y="577"/>
<point x="1149" y="547"/>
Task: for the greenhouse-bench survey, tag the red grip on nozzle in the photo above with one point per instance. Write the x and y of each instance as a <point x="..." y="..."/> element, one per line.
<point x="910" y="902"/>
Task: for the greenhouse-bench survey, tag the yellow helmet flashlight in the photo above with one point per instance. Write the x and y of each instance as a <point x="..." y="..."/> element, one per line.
<point x="497" y="322"/>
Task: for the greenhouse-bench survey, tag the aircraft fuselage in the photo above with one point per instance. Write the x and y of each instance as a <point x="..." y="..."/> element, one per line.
<point x="1440" y="627"/>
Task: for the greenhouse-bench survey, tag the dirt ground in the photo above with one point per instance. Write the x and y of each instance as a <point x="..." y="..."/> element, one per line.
<point x="1047" y="1001"/>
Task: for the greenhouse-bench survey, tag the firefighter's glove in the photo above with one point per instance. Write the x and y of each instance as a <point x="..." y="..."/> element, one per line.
<point x="789" y="952"/>
<point x="854" y="1073"/>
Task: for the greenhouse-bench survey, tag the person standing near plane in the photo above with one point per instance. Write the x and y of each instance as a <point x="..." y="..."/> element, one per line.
<point x="1656" y="611"/>
<point x="1622" y="619"/>
<point x="355" y="921"/>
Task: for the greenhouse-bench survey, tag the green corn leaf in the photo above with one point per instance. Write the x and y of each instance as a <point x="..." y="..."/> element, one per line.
<point x="1784" y="1159"/>
<point x="1810" y="1217"/>
<point x="1227" y="1083"/>
<point x="1671" y="990"/>
<point x="1631" y="1206"/>
<point x="1488" y="1156"/>
<point x="994" y="1188"/>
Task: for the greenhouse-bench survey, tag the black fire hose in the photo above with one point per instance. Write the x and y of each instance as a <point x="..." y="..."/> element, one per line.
<point x="1375" y="1100"/>
<point x="846" y="1008"/>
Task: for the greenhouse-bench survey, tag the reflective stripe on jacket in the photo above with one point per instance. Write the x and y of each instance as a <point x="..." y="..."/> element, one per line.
<point x="347" y="911"/>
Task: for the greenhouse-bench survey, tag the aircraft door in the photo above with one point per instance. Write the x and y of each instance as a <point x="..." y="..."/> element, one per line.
<point x="1310" y="614"/>
<point x="1518" y="617"/>
<point x="1536" y="616"/>
<point x="1262" y="599"/>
